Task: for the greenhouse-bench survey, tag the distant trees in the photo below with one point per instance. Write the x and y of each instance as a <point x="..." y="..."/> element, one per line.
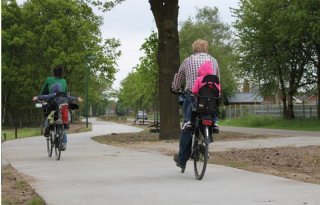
<point x="139" y="90"/>
<point x="41" y="34"/>
<point x="279" y="46"/>
<point x="207" y="25"/>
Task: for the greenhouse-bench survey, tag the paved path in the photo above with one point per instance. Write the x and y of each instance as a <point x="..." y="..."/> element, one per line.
<point x="290" y="138"/>
<point x="93" y="173"/>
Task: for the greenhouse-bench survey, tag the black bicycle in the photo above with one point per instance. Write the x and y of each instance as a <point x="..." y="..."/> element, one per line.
<point x="57" y="119"/>
<point x="202" y="132"/>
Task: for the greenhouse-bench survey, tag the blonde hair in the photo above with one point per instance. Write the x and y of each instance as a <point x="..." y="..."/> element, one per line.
<point x="200" y="46"/>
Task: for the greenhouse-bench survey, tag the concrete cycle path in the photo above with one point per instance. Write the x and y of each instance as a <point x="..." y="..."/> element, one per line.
<point x="284" y="138"/>
<point x="92" y="173"/>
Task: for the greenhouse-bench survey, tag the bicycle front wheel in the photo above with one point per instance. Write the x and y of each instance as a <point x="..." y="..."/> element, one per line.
<point x="200" y="155"/>
<point x="58" y="141"/>
<point x="50" y="143"/>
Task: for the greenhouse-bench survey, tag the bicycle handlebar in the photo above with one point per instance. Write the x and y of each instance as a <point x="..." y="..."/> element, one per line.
<point x="183" y="92"/>
<point x="179" y="92"/>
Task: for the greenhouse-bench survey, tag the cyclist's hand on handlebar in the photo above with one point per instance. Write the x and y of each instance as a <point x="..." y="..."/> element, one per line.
<point x="35" y="98"/>
<point x="80" y="99"/>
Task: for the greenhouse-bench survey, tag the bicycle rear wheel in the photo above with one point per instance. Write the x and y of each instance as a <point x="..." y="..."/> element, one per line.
<point x="200" y="156"/>
<point x="50" y="143"/>
<point x="58" y="141"/>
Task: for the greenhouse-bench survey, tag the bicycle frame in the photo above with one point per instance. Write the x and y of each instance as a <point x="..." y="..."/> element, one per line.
<point x="201" y="136"/>
<point x="57" y="120"/>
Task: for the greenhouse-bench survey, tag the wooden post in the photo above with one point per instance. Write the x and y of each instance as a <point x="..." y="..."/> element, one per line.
<point x="303" y="110"/>
<point x="41" y="128"/>
<point x="16" y="132"/>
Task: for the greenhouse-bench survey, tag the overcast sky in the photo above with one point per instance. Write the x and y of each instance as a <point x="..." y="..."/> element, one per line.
<point x="132" y="22"/>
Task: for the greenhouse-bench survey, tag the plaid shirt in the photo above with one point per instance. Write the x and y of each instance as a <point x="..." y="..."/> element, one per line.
<point x="188" y="71"/>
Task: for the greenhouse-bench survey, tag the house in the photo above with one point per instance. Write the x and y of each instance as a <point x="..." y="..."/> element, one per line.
<point x="312" y="100"/>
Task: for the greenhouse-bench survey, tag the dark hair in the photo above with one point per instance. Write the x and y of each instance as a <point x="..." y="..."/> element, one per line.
<point x="57" y="71"/>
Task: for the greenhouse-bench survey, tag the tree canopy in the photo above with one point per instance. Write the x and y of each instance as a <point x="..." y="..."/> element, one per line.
<point x="41" y="34"/>
<point x="139" y="89"/>
<point x="278" y="43"/>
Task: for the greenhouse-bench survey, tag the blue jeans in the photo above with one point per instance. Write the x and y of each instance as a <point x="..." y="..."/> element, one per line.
<point x="188" y="106"/>
<point x="185" y="143"/>
<point x="65" y="139"/>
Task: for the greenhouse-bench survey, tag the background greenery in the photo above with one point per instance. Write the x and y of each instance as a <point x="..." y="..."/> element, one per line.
<point x="274" y="47"/>
<point x="41" y="34"/>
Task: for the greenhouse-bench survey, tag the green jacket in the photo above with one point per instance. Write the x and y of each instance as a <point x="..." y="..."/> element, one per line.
<point x="50" y="81"/>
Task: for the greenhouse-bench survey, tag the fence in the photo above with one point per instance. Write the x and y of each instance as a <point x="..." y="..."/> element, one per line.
<point x="300" y="110"/>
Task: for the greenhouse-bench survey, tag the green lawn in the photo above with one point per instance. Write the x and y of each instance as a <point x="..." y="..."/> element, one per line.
<point x="22" y="132"/>
<point x="268" y="122"/>
<point x="75" y="127"/>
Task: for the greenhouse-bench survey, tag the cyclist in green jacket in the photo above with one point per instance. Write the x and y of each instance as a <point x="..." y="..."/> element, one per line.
<point x="50" y="86"/>
<point x="51" y="81"/>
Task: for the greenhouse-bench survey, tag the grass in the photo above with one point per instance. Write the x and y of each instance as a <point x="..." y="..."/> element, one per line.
<point x="75" y="127"/>
<point x="269" y="122"/>
<point x="236" y="164"/>
<point x="36" y="201"/>
<point x="22" y="132"/>
<point x="16" y="190"/>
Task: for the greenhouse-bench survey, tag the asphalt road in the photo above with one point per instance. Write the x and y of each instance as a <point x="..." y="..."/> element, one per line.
<point x="93" y="173"/>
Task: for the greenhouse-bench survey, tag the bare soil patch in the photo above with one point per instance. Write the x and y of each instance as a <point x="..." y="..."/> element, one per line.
<point x="298" y="163"/>
<point x="16" y="190"/>
<point x="76" y="127"/>
<point x="14" y="186"/>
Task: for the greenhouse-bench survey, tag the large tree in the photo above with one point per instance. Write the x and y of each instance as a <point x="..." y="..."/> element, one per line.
<point x="165" y="13"/>
<point x="274" y="47"/>
<point x="41" y="34"/>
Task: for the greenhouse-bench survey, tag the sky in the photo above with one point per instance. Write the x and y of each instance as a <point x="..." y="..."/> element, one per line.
<point x="132" y="22"/>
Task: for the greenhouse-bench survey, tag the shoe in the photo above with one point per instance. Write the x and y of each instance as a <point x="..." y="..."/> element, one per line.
<point x="177" y="161"/>
<point x="64" y="147"/>
<point x="186" y="126"/>
<point x="46" y="131"/>
<point x="210" y="139"/>
<point x="215" y="128"/>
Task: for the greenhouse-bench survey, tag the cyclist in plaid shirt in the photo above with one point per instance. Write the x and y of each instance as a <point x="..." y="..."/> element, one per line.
<point x="188" y="73"/>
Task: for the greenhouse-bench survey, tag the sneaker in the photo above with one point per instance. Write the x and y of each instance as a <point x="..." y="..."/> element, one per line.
<point x="210" y="139"/>
<point x="186" y="126"/>
<point x="64" y="147"/>
<point x="177" y="161"/>
<point x="215" y="128"/>
<point x="46" y="131"/>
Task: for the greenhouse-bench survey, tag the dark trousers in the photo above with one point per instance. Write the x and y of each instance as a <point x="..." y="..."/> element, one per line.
<point x="186" y="135"/>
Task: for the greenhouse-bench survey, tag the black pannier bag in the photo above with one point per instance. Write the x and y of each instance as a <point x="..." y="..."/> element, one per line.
<point x="208" y="101"/>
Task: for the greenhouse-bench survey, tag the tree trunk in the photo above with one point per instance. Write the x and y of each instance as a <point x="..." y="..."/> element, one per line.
<point x="318" y="83"/>
<point x="290" y="114"/>
<point x="284" y="96"/>
<point x="165" y="13"/>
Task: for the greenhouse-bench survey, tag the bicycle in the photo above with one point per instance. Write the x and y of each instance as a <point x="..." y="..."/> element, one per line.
<point x="202" y="133"/>
<point x="57" y="120"/>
